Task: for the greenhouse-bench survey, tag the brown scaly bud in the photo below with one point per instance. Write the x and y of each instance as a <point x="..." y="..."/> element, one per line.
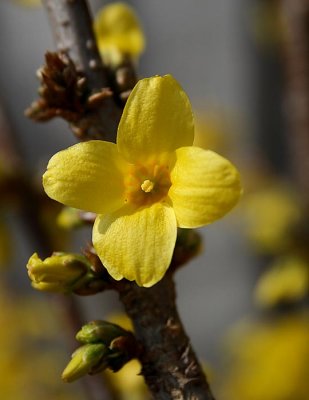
<point x="63" y="93"/>
<point x="124" y="79"/>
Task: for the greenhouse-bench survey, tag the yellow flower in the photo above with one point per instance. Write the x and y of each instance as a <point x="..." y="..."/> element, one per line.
<point x="121" y="319"/>
<point x="128" y="383"/>
<point x="286" y="280"/>
<point x="118" y="32"/>
<point x="270" y="215"/>
<point x="212" y="127"/>
<point x="147" y="184"/>
<point x="269" y="360"/>
<point x="27" y="371"/>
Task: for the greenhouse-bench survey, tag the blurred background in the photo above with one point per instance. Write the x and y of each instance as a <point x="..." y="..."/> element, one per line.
<point x="243" y="300"/>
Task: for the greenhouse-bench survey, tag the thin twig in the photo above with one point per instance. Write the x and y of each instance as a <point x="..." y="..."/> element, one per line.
<point x="296" y="46"/>
<point x="73" y="34"/>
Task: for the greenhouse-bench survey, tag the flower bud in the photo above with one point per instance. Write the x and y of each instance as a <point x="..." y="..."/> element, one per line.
<point x="85" y="360"/>
<point x="61" y="272"/>
<point x="100" y="331"/>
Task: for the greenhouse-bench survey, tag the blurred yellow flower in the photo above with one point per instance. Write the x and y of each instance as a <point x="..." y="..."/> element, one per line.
<point x="127" y="383"/>
<point x="122" y="320"/>
<point x="286" y="280"/>
<point x="69" y="218"/>
<point x="212" y="130"/>
<point x="31" y="350"/>
<point x="270" y="215"/>
<point x="269" y="360"/>
<point x="147" y="184"/>
<point x="118" y="33"/>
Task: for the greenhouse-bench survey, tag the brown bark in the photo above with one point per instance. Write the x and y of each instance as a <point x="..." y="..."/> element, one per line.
<point x="71" y="24"/>
<point x="296" y="47"/>
<point x="169" y="364"/>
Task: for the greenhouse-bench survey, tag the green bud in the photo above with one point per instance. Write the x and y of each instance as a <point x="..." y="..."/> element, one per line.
<point x="49" y="287"/>
<point x="100" y="331"/>
<point x="86" y="359"/>
<point x="61" y="272"/>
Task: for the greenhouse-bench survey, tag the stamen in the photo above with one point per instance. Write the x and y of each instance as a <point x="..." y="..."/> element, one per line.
<point x="147" y="186"/>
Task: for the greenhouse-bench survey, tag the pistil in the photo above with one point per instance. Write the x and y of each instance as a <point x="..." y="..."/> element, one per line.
<point x="147" y="186"/>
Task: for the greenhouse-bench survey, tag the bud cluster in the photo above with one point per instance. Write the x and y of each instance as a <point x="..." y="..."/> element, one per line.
<point x="104" y="345"/>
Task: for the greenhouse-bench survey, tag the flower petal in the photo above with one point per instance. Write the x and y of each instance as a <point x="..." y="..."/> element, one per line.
<point x="157" y="119"/>
<point x="87" y="176"/>
<point x="205" y="186"/>
<point x="136" y="244"/>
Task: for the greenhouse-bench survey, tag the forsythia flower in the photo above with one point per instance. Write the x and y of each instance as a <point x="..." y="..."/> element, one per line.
<point x="147" y="184"/>
<point x="270" y="216"/>
<point x="128" y="383"/>
<point x="286" y="280"/>
<point x="27" y="371"/>
<point x="269" y="360"/>
<point x="118" y="32"/>
<point x="211" y="130"/>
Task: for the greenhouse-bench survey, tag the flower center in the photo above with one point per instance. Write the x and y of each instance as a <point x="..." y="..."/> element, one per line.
<point x="147" y="184"/>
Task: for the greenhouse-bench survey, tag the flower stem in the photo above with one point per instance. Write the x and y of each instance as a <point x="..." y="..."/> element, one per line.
<point x="169" y="364"/>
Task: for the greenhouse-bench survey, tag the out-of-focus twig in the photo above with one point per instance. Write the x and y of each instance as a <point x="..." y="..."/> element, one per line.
<point x="30" y="202"/>
<point x="296" y="22"/>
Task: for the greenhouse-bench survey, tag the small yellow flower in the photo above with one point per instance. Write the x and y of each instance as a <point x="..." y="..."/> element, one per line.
<point x="270" y="216"/>
<point x="69" y="218"/>
<point x="286" y="280"/>
<point x="269" y="360"/>
<point x="118" y="32"/>
<point x="147" y="184"/>
<point x="128" y="382"/>
<point x="212" y="128"/>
